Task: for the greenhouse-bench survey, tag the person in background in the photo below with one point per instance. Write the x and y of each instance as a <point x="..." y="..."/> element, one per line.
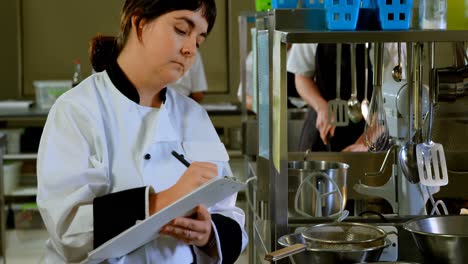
<point x="249" y="81"/>
<point x="314" y="66"/>
<point x="292" y="92"/>
<point x="193" y="83"/>
<point x="104" y="160"/>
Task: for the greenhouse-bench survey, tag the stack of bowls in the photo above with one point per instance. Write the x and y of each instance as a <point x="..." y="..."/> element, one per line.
<point x="330" y="256"/>
<point x="333" y="243"/>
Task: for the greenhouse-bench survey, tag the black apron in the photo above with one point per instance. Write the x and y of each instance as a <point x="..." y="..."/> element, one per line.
<point x="291" y="86"/>
<point x="325" y="78"/>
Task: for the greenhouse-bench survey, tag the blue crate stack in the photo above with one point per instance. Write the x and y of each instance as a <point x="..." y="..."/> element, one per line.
<point x="342" y="14"/>
<point x="314" y="3"/>
<point x="395" y="14"/>
<point x="284" y="4"/>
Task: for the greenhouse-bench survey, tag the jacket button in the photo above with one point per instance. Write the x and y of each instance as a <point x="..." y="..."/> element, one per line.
<point x="147" y="156"/>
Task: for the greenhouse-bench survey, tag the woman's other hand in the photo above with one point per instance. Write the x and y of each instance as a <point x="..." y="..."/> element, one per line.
<point x="196" y="230"/>
<point x="358" y="146"/>
<point x="322" y="124"/>
<point x="309" y="91"/>
<point x="197" y="174"/>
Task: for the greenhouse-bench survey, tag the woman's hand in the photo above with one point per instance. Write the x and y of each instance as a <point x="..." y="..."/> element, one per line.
<point x="358" y="146"/>
<point x="196" y="231"/>
<point x="197" y="174"/>
<point x="322" y="124"/>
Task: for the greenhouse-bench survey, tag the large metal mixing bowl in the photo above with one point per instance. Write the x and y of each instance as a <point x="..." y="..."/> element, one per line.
<point x="330" y="256"/>
<point x="441" y="239"/>
<point x="300" y="170"/>
<point x="391" y="262"/>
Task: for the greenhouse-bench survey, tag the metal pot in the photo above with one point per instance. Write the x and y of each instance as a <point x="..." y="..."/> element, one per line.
<point x="441" y="239"/>
<point x="390" y="262"/>
<point x="449" y="84"/>
<point x="298" y="171"/>
<point x="344" y="236"/>
<point x="303" y="253"/>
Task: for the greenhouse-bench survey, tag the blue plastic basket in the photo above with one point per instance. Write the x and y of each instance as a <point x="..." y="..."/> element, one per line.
<point x="395" y="14"/>
<point x="342" y="14"/>
<point x="284" y="3"/>
<point x="368" y="4"/>
<point x="314" y="3"/>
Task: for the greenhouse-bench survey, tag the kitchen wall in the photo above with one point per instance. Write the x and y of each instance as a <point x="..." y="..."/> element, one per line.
<point x="9" y="49"/>
<point x="42" y="38"/>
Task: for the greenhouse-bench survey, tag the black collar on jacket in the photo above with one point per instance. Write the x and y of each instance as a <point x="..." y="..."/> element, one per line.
<point x="123" y="84"/>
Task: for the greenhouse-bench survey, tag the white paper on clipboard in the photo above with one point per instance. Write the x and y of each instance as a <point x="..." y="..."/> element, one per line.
<point x="148" y="229"/>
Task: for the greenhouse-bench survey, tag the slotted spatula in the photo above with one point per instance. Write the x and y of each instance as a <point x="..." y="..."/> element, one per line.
<point x="337" y="108"/>
<point x="432" y="166"/>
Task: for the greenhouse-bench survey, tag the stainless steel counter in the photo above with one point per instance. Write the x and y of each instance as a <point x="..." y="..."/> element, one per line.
<point x="260" y="229"/>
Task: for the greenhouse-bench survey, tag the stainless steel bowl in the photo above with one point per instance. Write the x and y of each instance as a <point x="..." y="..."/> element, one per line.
<point x="344" y="236"/>
<point x="441" y="239"/>
<point x="330" y="256"/>
<point x="299" y="171"/>
<point x="391" y="262"/>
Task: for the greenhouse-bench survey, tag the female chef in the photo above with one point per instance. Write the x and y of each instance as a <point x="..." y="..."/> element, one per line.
<point x="105" y="160"/>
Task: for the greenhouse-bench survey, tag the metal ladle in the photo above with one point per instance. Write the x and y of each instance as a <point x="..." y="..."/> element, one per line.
<point x="397" y="72"/>
<point x="407" y="155"/>
<point x="365" y="102"/>
<point x="354" y="106"/>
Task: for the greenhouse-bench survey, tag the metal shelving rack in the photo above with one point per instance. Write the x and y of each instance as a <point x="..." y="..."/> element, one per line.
<point x="2" y="201"/>
<point x="288" y="26"/>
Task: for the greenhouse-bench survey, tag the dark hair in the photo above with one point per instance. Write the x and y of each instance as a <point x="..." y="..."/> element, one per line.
<point x="105" y="49"/>
<point x="152" y="9"/>
<point x="102" y="51"/>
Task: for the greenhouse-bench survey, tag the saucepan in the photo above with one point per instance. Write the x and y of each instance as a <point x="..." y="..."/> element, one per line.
<point x="391" y="262"/>
<point x="308" y="255"/>
<point x="449" y="83"/>
<point x="333" y="243"/>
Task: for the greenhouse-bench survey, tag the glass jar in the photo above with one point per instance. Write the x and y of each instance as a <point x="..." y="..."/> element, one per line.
<point x="433" y="14"/>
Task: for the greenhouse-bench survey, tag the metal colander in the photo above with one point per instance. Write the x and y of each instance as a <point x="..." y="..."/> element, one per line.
<point x="344" y="236"/>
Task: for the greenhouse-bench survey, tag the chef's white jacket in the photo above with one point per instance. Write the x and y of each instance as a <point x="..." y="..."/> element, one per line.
<point x="93" y="144"/>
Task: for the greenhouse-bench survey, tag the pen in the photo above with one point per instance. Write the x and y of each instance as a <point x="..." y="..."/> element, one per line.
<point x="180" y="158"/>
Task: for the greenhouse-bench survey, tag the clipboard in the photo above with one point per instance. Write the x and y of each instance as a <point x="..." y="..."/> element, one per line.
<point x="147" y="230"/>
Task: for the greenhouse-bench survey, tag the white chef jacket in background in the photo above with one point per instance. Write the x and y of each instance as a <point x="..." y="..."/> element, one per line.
<point x="94" y="143"/>
<point x="194" y="80"/>
<point x="301" y="59"/>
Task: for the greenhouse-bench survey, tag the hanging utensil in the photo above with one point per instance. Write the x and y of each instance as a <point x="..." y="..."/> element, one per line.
<point x="432" y="165"/>
<point x="376" y="131"/>
<point x="337" y="108"/>
<point x="407" y="155"/>
<point x="328" y="145"/>
<point x="354" y="107"/>
<point x="365" y="102"/>
<point x="397" y="72"/>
